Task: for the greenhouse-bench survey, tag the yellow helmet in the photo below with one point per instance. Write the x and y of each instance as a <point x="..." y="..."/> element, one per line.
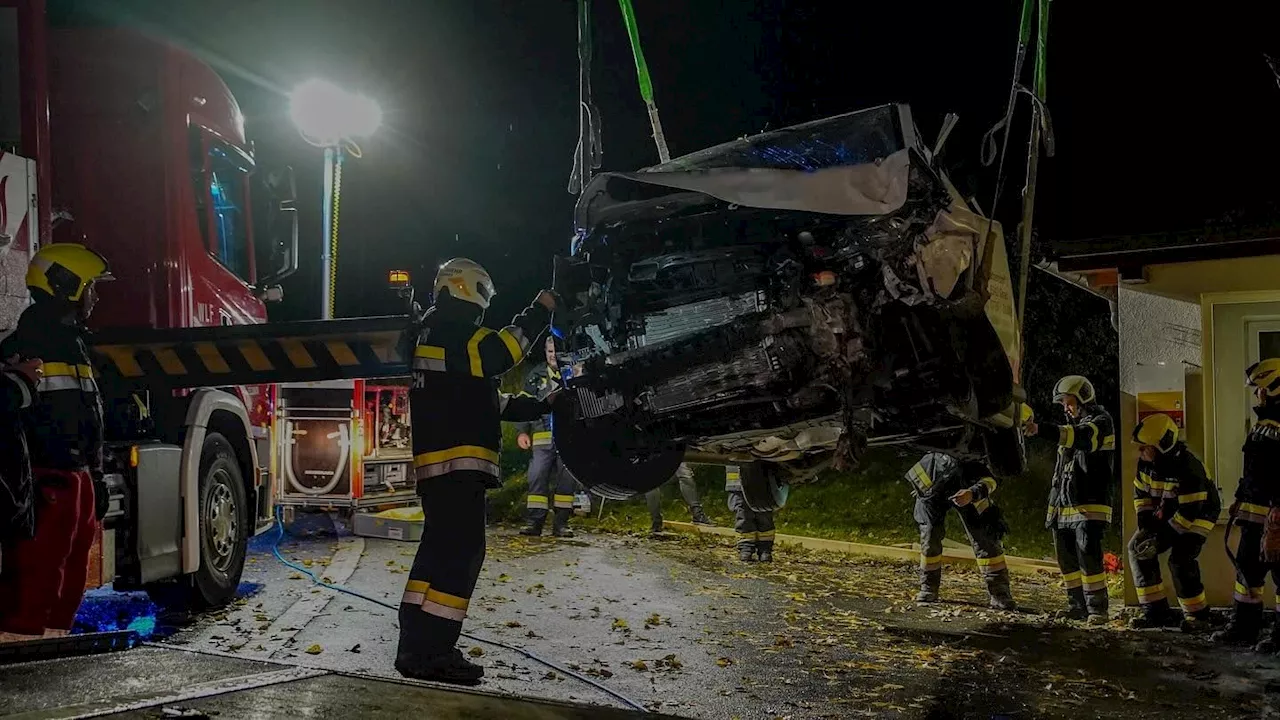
<point x="465" y="280"/>
<point x="64" y="270"/>
<point x="1159" y="431"/>
<point x="1077" y="386"/>
<point x="1265" y="375"/>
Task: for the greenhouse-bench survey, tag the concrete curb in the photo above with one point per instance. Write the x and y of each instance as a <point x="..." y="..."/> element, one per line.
<point x="951" y="556"/>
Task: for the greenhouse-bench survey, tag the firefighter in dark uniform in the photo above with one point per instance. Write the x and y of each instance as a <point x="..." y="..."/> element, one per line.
<point x="1256" y="495"/>
<point x="545" y="465"/>
<point x="43" y="577"/>
<point x="688" y="490"/>
<point x="1080" y="495"/>
<point x="754" y="528"/>
<point x="1177" y="506"/>
<point x="457" y="415"/>
<point x="940" y="481"/>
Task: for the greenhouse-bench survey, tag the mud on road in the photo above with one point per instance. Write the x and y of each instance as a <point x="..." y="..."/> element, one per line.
<point x="681" y="626"/>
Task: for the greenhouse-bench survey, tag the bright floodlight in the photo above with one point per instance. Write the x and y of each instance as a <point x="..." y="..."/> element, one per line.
<point x="326" y="114"/>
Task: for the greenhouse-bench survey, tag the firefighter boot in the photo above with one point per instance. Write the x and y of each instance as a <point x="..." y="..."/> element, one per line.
<point x="1270" y="644"/>
<point x="531" y="528"/>
<point x="1244" y="626"/>
<point x="998" y="591"/>
<point x="1155" y="615"/>
<point x="746" y="554"/>
<point x="560" y="523"/>
<point x="930" y="581"/>
<point x="450" y="667"/>
<point x="700" y="516"/>
<point x="1075" y="606"/>
<point x="1097" y="604"/>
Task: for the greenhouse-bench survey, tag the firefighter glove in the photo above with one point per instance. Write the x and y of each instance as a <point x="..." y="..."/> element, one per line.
<point x="1144" y="545"/>
<point x="101" y="497"/>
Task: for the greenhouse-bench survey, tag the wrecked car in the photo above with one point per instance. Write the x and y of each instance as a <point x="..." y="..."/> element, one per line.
<point x="783" y="302"/>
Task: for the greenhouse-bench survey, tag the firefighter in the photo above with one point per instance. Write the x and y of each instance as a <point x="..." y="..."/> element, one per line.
<point x="940" y="481"/>
<point x="43" y="577"/>
<point x="754" y="527"/>
<point x="457" y="413"/>
<point x="1080" y="495"/>
<point x="19" y="383"/>
<point x="1177" y="505"/>
<point x="1255" y="496"/>
<point x="545" y="462"/>
<point x="688" y="490"/>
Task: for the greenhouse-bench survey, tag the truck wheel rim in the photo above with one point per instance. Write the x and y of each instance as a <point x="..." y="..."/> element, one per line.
<point x="222" y="522"/>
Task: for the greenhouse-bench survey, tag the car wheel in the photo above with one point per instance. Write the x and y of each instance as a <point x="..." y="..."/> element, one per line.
<point x="1006" y="451"/>
<point x="611" y="459"/>
<point x="223" y="535"/>
<point x="763" y="487"/>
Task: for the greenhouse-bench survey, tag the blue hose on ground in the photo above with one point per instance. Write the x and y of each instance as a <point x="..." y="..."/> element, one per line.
<point x="275" y="550"/>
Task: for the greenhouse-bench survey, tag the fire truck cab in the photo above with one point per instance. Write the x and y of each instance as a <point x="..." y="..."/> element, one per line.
<point x="137" y="149"/>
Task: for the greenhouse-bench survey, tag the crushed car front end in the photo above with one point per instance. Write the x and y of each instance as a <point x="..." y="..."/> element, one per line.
<point x="784" y="301"/>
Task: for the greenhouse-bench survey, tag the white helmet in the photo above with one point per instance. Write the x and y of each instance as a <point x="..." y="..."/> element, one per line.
<point x="465" y="280"/>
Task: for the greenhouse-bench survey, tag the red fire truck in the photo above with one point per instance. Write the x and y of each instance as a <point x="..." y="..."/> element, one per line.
<point x="137" y="149"/>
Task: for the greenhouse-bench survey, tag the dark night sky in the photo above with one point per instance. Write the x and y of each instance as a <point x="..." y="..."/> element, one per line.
<point x="1164" y="118"/>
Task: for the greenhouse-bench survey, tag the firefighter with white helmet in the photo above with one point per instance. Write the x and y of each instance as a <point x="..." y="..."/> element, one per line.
<point x="457" y="413"/>
<point x="43" y="577"/>
<point x="1255" y="500"/>
<point x="1177" y="505"/>
<point x="1080" y="496"/>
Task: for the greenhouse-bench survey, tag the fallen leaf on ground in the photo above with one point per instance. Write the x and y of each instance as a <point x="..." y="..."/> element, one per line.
<point x="314" y="650"/>
<point x="638" y="665"/>
<point x="475" y="651"/>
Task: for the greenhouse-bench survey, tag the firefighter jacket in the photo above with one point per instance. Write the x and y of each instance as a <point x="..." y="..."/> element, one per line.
<point x="1083" y="477"/>
<point x="1260" y="481"/>
<point x="17" y="493"/>
<point x="941" y="475"/>
<point x="64" y="424"/>
<point x="539" y="383"/>
<point x="457" y="411"/>
<point x="732" y="478"/>
<point x="1176" y="489"/>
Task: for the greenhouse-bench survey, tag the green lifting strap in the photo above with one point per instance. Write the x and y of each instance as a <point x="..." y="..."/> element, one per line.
<point x="642" y="76"/>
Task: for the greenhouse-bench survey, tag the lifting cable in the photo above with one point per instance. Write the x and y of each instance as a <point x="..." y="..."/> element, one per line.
<point x="588" y="154"/>
<point x="642" y="75"/>
<point x="1041" y="132"/>
<point x="275" y="550"/>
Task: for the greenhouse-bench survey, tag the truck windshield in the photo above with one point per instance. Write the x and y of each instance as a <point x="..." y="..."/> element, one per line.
<point x="227" y="184"/>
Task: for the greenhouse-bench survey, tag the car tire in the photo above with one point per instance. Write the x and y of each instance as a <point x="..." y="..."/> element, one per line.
<point x="610" y="460"/>
<point x="1006" y="451"/>
<point x="762" y="486"/>
<point x="224" y="533"/>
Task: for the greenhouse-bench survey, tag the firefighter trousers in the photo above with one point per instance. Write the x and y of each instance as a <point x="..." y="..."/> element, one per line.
<point x="544" y="469"/>
<point x="931" y="515"/>
<point x="1184" y="565"/>
<point x="446" y="566"/>
<point x="688" y="491"/>
<point x="755" y="529"/>
<point x="1251" y="571"/>
<point x="42" y="578"/>
<point x="1079" y="550"/>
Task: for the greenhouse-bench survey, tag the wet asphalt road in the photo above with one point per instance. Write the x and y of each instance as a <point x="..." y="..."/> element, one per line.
<point x="682" y="627"/>
<point x="602" y="605"/>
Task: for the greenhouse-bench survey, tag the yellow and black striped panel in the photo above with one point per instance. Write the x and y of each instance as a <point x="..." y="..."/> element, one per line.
<point x="253" y="354"/>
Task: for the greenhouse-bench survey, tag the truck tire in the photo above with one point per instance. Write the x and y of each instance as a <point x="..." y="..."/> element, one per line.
<point x="762" y="486"/>
<point x="223" y="535"/>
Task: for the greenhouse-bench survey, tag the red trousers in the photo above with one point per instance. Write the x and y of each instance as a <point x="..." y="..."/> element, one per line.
<point x="42" y="579"/>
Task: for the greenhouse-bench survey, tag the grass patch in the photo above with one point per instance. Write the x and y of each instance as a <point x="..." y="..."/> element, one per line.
<point x="872" y="505"/>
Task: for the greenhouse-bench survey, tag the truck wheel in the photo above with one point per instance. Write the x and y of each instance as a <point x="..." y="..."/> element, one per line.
<point x="762" y="486"/>
<point x="223" y="535"/>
